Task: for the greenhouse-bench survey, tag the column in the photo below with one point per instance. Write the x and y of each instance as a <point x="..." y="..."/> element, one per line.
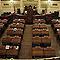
<point x="48" y="10"/>
<point x="21" y="6"/>
<point x="11" y="4"/>
<point x="0" y="7"/>
<point x="48" y="5"/>
<point x="38" y="6"/>
<point x="59" y="10"/>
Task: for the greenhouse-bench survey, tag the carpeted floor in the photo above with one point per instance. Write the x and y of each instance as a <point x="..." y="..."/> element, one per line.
<point x="26" y="45"/>
<point x="54" y="42"/>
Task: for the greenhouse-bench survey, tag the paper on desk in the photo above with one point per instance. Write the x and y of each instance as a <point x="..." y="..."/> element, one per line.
<point x="7" y="46"/>
<point x="57" y="29"/>
<point x="19" y="19"/>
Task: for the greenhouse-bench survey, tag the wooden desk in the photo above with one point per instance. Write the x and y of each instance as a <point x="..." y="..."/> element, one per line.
<point x="15" y="16"/>
<point x="44" y="33"/>
<point x="5" y="21"/>
<point x="12" y="32"/>
<point x="14" y="25"/>
<point x="54" y="21"/>
<point x="46" y="40"/>
<point x="2" y="47"/>
<point x="37" y="51"/>
<point x="56" y="26"/>
<point x="39" y="16"/>
<point x="42" y="26"/>
<point x="17" y="21"/>
<point x="1" y="25"/>
<point x="7" y="40"/>
<point x="35" y="26"/>
<point x="36" y="41"/>
<point x="48" y="18"/>
<point x="2" y="52"/>
<point x="40" y="33"/>
<point x="12" y="53"/>
<point x="49" y="52"/>
<point x="58" y="34"/>
<point x="41" y="21"/>
<point x="41" y="41"/>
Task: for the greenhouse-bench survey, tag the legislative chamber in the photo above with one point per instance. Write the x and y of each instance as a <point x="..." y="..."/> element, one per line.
<point x="29" y="29"/>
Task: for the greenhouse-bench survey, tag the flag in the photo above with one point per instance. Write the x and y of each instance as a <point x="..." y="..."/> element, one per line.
<point x="14" y="9"/>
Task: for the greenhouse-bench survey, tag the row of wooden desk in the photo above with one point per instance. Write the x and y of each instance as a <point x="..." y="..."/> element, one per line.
<point x="39" y="21"/>
<point x="39" y="26"/>
<point x="40" y="33"/>
<point x="8" y="40"/>
<point x="41" y="42"/>
<point x="56" y="27"/>
<point x="19" y="21"/>
<point x="12" y="52"/>
<point x="12" y="41"/>
<point x="38" y="52"/>
<point x="46" y="17"/>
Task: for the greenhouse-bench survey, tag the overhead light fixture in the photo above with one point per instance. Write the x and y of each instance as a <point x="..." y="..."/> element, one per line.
<point x="11" y="1"/>
<point x="49" y="1"/>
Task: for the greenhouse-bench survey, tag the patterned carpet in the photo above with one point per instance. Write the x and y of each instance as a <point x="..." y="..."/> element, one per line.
<point x="26" y="45"/>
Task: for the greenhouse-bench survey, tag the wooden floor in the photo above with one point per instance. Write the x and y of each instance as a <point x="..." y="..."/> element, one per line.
<point x="26" y="45"/>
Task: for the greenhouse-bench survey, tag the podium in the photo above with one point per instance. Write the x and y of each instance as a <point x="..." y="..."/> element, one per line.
<point x="29" y="19"/>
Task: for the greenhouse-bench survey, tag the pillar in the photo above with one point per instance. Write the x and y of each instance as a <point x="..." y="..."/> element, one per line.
<point x="59" y="10"/>
<point x="21" y="6"/>
<point x="48" y="10"/>
<point x="0" y="8"/>
<point x="39" y="6"/>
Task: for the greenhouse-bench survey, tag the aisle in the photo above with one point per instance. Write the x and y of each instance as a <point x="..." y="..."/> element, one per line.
<point x="54" y="41"/>
<point x="26" y="45"/>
